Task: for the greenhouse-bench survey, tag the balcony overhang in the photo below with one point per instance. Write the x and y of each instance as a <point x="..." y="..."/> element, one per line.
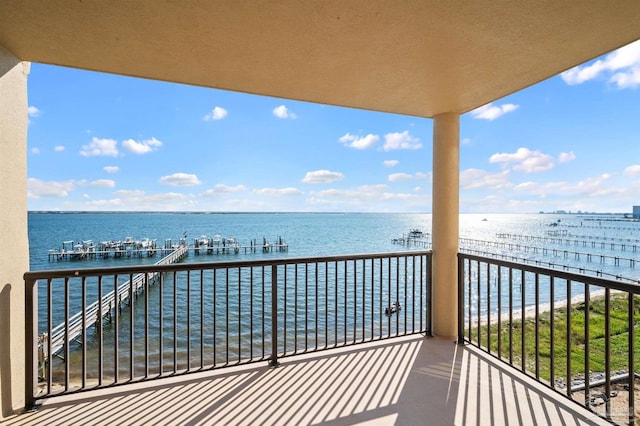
<point x="406" y="57"/>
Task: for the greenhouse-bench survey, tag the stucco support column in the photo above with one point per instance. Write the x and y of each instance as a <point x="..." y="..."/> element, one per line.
<point x="14" y="250"/>
<point x="445" y="222"/>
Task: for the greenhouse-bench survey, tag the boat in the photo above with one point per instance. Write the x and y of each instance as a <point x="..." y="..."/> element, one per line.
<point x="231" y="244"/>
<point x="416" y="233"/>
<point x="392" y="309"/>
<point x="80" y="250"/>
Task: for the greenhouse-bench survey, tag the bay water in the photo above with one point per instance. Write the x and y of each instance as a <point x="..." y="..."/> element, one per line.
<point x="325" y="234"/>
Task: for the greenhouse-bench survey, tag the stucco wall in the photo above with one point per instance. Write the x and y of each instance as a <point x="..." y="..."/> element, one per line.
<point x="14" y="250"/>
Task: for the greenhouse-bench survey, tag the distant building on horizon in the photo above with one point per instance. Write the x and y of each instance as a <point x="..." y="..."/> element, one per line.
<point x="636" y="212"/>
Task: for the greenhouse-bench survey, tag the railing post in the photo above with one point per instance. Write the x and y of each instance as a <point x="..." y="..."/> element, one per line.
<point x="460" y="300"/>
<point x="31" y="323"/>
<point x="631" y="361"/>
<point x="274" y="317"/>
<point x="429" y="300"/>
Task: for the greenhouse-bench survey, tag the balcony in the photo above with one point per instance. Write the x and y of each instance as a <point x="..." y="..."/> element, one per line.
<point x="320" y="56"/>
<point x="317" y="340"/>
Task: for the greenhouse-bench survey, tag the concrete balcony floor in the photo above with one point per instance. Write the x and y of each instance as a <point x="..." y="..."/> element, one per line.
<point x="407" y="381"/>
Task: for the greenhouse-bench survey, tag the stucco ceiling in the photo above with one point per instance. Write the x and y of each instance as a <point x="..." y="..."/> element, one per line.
<point x="403" y="56"/>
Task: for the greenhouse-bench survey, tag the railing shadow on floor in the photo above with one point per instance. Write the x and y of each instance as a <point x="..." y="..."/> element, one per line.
<point x="408" y="380"/>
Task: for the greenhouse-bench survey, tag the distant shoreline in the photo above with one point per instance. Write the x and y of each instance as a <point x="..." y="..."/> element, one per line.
<point x="302" y="212"/>
<point x="201" y="212"/>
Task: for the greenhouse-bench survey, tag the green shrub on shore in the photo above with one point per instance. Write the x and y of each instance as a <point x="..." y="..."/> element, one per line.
<point x="583" y="347"/>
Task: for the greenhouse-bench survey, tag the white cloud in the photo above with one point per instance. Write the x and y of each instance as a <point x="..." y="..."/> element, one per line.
<point x="105" y="204"/>
<point x="526" y="161"/>
<point x="100" y="183"/>
<point x="373" y="188"/>
<point x="217" y="113"/>
<point x="278" y="192"/>
<point x="142" y="147"/>
<point x="589" y="187"/>
<point x="362" y="193"/>
<point x="356" y="142"/>
<point x="632" y="171"/>
<point x="223" y="189"/>
<point x="111" y="169"/>
<point x="476" y="178"/>
<point x="397" y="177"/>
<point x="59" y="148"/>
<point x="527" y="186"/>
<point x="133" y="199"/>
<point x="580" y="74"/>
<point x="627" y="80"/>
<point x="180" y="179"/>
<point x="147" y="201"/>
<point x="130" y="193"/>
<point x="103" y="183"/>
<point x="391" y="163"/>
<point x="465" y="141"/>
<point x="366" y="197"/>
<point x="566" y="156"/>
<point x="33" y="111"/>
<point x="623" y="65"/>
<point x="97" y="147"/>
<point x="594" y="186"/>
<point x="37" y="188"/>
<point x="322" y="176"/>
<point x="402" y="140"/>
<point x="491" y="112"/>
<point x="35" y="150"/>
<point x="282" y="112"/>
<point x="165" y="196"/>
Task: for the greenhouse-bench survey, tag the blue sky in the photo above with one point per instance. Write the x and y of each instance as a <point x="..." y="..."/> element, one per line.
<point x="104" y="142"/>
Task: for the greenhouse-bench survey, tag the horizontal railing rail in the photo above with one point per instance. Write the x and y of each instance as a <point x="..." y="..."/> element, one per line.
<point x="574" y="333"/>
<point x="188" y="317"/>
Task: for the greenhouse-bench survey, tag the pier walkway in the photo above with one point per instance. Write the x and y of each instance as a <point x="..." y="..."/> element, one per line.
<point x="100" y="309"/>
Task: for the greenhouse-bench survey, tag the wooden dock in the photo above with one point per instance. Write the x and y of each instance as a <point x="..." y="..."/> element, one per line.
<point x="231" y="246"/>
<point x="415" y="238"/>
<point x="97" y="311"/>
<point x="87" y="250"/>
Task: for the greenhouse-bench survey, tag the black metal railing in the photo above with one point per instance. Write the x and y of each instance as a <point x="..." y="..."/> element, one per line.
<point x="574" y="333"/>
<point x="100" y="327"/>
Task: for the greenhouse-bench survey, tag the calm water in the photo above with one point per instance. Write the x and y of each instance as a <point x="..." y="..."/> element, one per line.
<point x="317" y="234"/>
<point x="313" y="234"/>
<point x="308" y="234"/>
